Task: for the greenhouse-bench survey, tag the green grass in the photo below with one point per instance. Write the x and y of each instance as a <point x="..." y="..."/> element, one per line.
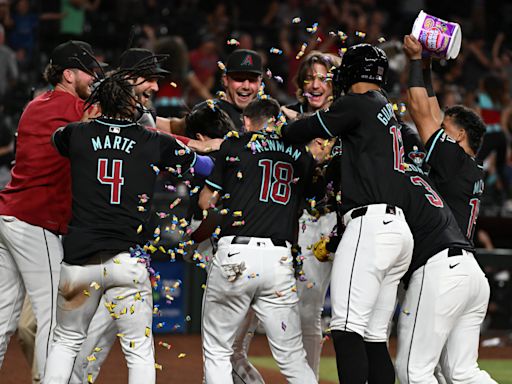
<point x="500" y="370"/>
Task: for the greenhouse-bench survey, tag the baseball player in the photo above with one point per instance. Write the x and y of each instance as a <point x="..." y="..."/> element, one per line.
<point x="314" y="92"/>
<point x="376" y="247"/>
<point x="113" y="163"/>
<point x="253" y="265"/>
<point x="447" y="298"/>
<point x="35" y="206"/>
<point x="102" y="331"/>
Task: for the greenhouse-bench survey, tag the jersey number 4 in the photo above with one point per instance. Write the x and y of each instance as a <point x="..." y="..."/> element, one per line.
<point x="275" y="181"/>
<point x="115" y="179"/>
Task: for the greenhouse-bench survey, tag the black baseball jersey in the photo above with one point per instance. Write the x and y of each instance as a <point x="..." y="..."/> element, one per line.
<point x="430" y="219"/>
<point x="264" y="180"/>
<point x="458" y="177"/>
<point x="114" y="165"/>
<point x="372" y="160"/>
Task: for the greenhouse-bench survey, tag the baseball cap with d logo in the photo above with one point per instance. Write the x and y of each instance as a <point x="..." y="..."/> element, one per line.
<point x="244" y="60"/>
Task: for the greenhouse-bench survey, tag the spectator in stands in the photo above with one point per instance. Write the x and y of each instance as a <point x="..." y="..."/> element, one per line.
<point x="8" y="67"/>
<point x="203" y="61"/>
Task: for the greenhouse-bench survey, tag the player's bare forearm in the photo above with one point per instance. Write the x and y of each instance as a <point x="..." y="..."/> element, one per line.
<point x="435" y="109"/>
<point x="206" y="146"/>
<point x="419" y="109"/>
<point x="172" y="125"/>
<point x="208" y="198"/>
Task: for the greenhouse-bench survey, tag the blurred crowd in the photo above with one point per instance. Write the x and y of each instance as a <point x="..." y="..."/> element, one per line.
<point x="197" y="34"/>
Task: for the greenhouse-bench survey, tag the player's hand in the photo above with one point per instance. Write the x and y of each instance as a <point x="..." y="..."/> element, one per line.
<point x="92" y="112"/>
<point x="320" y="251"/>
<point x="289" y="113"/>
<point x="412" y="47"/>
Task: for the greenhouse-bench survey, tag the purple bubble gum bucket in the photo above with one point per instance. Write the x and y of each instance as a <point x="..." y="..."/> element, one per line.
<point x="439" y="38"/>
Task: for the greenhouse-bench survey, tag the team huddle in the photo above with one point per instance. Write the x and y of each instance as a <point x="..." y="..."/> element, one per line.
<point x="334" y="190"/>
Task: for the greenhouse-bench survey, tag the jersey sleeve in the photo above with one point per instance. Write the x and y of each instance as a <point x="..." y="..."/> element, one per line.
<point x="444" y="155"/>
<point x="174" y="153"/>
<point x="61" y="139"/>
<point x="214" y="181"/>
<point x="336" y="121"/>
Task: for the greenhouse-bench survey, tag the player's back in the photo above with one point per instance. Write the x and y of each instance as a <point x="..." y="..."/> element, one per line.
<point x="113" y="168"/>
<point x="264" y="179"/>
<point x="371" y="165"/>
<point x="430" y="219"/>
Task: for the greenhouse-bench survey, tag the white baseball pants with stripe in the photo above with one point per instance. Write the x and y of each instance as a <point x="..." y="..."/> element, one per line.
<point x="374" y="253"/>
<point x="444" y="307"/>
<point x="30" y="258"/>
<point x="124" y="282"/>
<point x="258" y="275"/>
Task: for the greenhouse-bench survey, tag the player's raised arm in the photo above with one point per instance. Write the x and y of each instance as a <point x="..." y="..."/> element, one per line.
<point x="435" y="109"/>
<point x="419" y="105"/>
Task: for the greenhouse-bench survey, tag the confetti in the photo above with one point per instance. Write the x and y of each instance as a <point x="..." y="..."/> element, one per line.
<point x="182" y="355"/>
<point x="269" y="73"/>
<point x="360" y="34"/>
<point x="120" y="335"/>
<point x="221" y="65"/>
<point x="296" y="20"/>
<point x="279" y="79"/>
<point x="160" y="325"/>
<point x="175" y="203"/>
<point x="139" y="229"/>
<point x="89" y="378"/>
<point x="132" y="344"/>
<point x="158" y="366"/>
<point x="381" y="39"/>
<point x="224" y="211"/>
<point x="233" y="42"/>
<point x="95" y="285"/>
<point x="238" y="223"/>
<point x="91" y="358"/>
<point x="302" y="51"/>
<point x="86" y="292"/>
<point x="313" y="28"/>
<point x="283" y="326"/>
<point x="173" y="84"/>
<point x="239" y="175"/>
<point x="140" y="208"/>
<point x="155" y="168"/>
<point x="232" y="159"/>
<point x="164" y="344"/>
<point x="143" y="199"/>
<point x="310" y="285"/>
<point x="237" y="214"/>
<point x="276" y="51"/>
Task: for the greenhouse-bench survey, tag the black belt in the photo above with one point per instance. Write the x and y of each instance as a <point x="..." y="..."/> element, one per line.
<point x="391" y="209"/>
<point x="247" y="240"/>
<point x="455" y="252"/>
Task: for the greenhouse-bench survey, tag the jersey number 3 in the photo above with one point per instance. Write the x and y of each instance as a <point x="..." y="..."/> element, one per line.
<point x="275" y="181"/>
<point x="115" y="179"/>
<point x="432" y="197"/>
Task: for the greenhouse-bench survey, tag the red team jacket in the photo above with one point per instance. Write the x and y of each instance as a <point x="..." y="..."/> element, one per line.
<point x="40" y="190"/>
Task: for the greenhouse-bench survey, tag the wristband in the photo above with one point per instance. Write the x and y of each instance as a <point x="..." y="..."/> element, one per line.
<point x="415" y="74"/>
<point x="427" y="78"/>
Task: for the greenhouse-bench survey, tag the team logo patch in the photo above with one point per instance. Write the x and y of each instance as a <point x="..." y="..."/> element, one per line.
<point x="114" y="130"/>
<point x="247" y="60"/>
<point x="417" y="156"/>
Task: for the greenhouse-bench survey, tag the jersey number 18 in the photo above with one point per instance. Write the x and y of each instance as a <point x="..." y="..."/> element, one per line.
<point x="275" y="181"/>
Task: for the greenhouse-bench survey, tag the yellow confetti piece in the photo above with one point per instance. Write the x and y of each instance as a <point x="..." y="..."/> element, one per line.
<point x="98" y="349"/>
<point x="132" y="344"/>
<point x="203" y="286"/>
<point x="381" y="39"/>
<point x="86" y="292"/>
<point x="148" y="330"/>
<point x="138" y="296"/>
<point x="95" y="285"/>
<point x="182" y="355"/>
<point x="91" y="358"/>
<point x="89" y="378"/>
<point x="116" y="261"/>
<point x="120" y="335"/>
<point x="139" y="229"/>
<point x="173" y="84"/>
<point x="123" y="311"/>
<point x="158" y="366"/>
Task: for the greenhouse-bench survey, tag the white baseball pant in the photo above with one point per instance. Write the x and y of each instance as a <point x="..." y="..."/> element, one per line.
<point x="124" y="282"/>
<point x="312" y="291"/>
<point x="373" y="255"/>
<point x="101" y="336"/>
<point x="444" y="307"/>
<point x="258" y="275"/>
<point x="30" y="258"/>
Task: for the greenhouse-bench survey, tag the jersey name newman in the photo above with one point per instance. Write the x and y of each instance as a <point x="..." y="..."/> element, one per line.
<point x="117" y="142"/>
<point x="276" y="145"/>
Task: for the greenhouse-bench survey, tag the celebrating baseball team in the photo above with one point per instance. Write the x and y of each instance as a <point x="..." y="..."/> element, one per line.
<point x="335" y="190"/>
